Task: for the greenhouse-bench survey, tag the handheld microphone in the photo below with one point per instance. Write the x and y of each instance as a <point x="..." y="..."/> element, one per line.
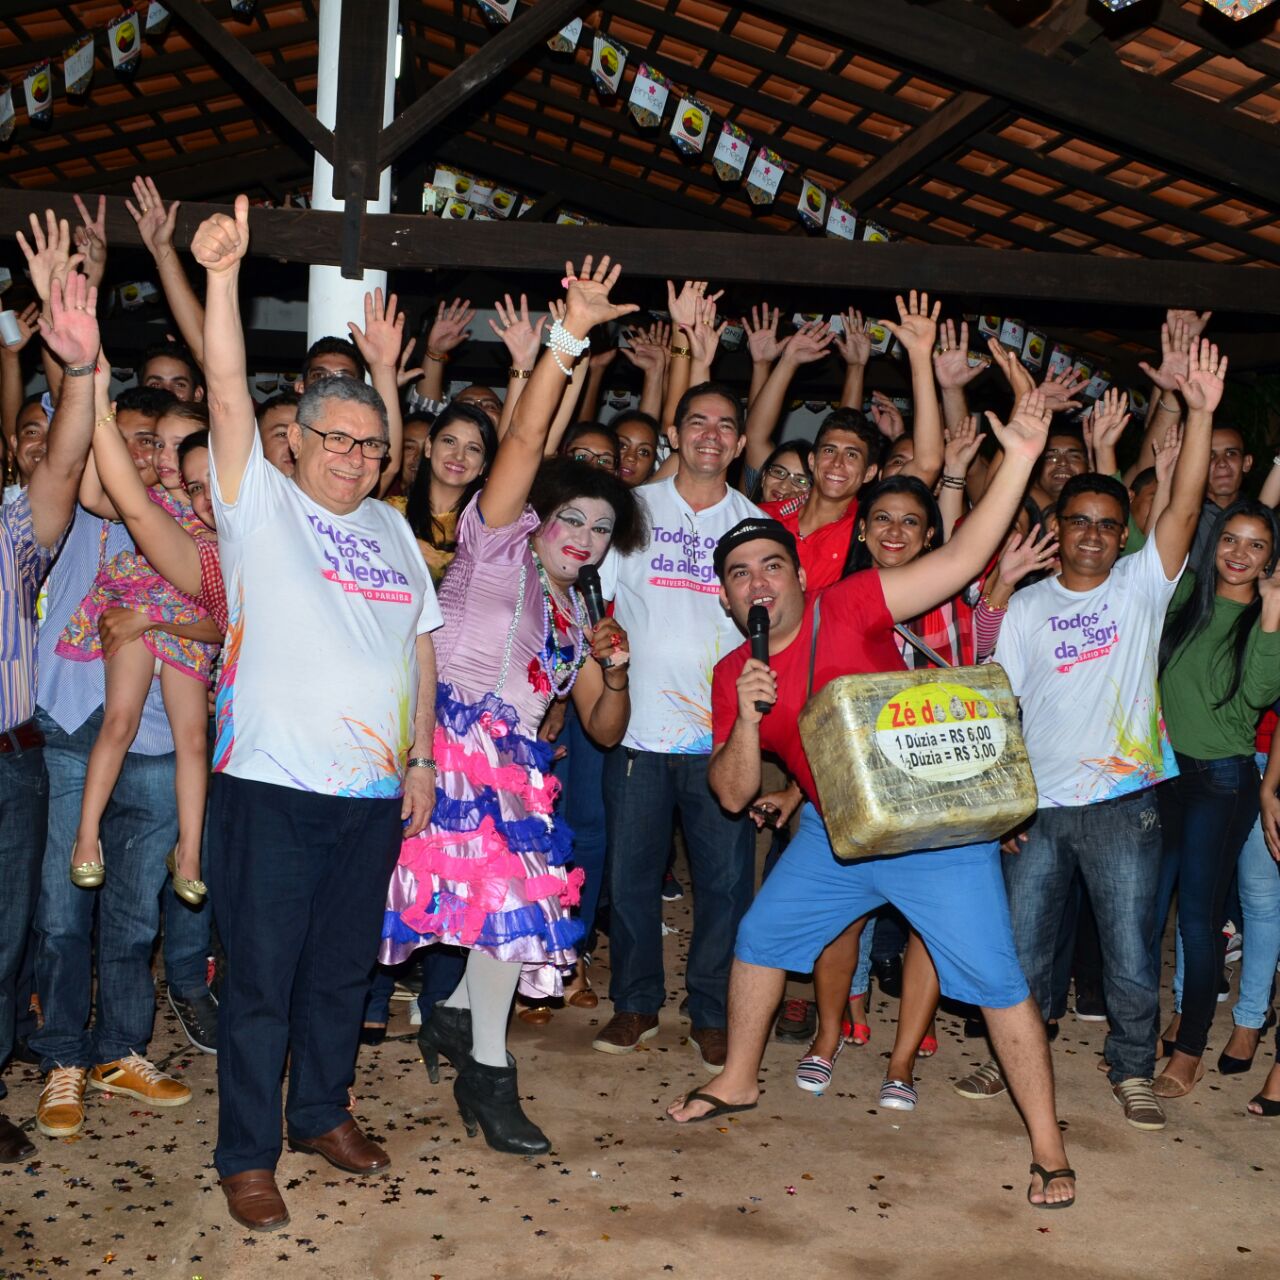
<point x="758" y="634"/>
<point x="592" y="597"/>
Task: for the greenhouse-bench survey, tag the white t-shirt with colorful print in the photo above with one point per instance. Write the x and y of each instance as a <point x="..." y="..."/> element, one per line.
<point x="320" y="670"/>
<point x="1083" y="665"/>
<point x="667" y="599"/>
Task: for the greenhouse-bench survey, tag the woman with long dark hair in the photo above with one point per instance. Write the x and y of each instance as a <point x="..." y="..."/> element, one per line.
<point x="1219" y="670"/>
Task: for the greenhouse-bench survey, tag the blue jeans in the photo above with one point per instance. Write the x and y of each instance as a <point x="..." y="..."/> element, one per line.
<point x="584" y="811"/>
<point x="139" y="828"/>
<point x="1115" y="845"/>
<point x="188" y="937"/>
<point x="642" y="791"/>
<point x="1259" y="877"/>
<point x="24" y="811"/>
<point x="1207" y="813"/>
<point x="299" y="884"/>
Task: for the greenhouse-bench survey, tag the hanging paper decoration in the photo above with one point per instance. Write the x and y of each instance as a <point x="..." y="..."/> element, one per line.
<point x="842" y="222"/>
<point x="1033" y="349"/>
<point x="133" y="296"/>
<point x="649" y="92"/>
<point x="874" y="232"/>
<point x="765" y="176"/>
<point x="39" y="90"/>
<point x="1097" y="385"/>
<point x="1238" y="9"/>
<point x="1061" y="359"/>
<point x="502" y="202"/>
<point x="157" y="20"/>
<point x="77" y="66"/>
<point x="243" y="8"/>
<point x="1116" y="5"/>
<point x="566" y="39"/>
<point x="124" y="38"/>
<point x="608" y="58"/>
<point x="689" y="128"/>
<point x="732" y="152"/>
<point x="8" y="117"/>
<point x="880" y="337"/>
<point x="499" y="11"/>
<point x="564" y="219"/>
<point x="455" y="210"/>
<point x="812" y="206"/>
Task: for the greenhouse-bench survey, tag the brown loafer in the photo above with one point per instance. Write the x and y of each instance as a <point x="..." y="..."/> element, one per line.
<point x="345" y="1148"/>
<point x="254" y="1200"/>
<point x="15" y="1146"/>
<point x="712" y="1044"/>
<point x="536" y="1015"/>
<point x="624" y="1032"/>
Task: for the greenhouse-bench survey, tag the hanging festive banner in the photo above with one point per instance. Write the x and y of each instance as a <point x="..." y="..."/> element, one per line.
<point x="608" y="58"/>
<point x="875" y="232"/>
<point x="812" y="206"/>
<point x="498" y="11"/>
<point x="842" y="222"/>
<point x="649" y="92"/>
<point x="732" y="152"/>
<point x="765" y="177"/>
<point x="1013" y="334"/>
<point x="1235" y="9"/>
<point x="880" y="337"/>
<point x="8" y="117"/>
<point x="38" y="87"/>
<point x="689" y="128"/>
<point x="124" y="38"/>
<point x="566" y="39"/>
<point x="1033" y="349"/>
<point x="133" y="296"/>
<point x="77" y="66"/>
<point x="455" y="211"/>
<point x="243" y="8"/>
<point x="157" y="20"/>
<point x="503" y="202"/>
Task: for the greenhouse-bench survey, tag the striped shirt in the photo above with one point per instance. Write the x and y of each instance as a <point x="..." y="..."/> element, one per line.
<point x="70" y="692"/>
<point x="23" y="565"/>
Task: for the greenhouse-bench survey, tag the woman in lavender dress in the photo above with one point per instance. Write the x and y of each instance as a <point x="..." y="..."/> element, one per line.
<point x="489" y="873"/>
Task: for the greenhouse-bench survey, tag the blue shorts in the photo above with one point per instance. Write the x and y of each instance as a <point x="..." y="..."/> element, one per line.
<point x="954" y="898"/>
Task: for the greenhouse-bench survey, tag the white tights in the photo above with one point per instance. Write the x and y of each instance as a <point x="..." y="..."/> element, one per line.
<point x="487" y="988"/>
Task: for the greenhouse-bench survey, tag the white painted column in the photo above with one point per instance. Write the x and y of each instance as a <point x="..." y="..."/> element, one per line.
<point x="332" y="300"/>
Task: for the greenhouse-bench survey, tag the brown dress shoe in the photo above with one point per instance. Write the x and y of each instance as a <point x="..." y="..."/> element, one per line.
<point x="345" y="1148"/>
<point x="712" y="1044"/>
<point x="254" y="1200"/>
<point x="624" y="1031"/>
<point x="15" y="1146"/>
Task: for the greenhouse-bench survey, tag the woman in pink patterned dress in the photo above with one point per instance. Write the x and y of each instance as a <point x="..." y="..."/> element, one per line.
<point x="171" y="587"/>
<point x="489" y="872"/>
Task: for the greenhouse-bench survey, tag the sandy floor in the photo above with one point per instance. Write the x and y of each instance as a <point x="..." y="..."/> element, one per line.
<point x="805" y="1186"/>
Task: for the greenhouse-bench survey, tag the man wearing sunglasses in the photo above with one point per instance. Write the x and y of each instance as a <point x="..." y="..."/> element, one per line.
<point x="1081" y="651"/>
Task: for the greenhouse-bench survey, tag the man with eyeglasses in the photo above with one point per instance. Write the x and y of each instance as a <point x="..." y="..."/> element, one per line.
<point x="1064" y="457"/>
<point x="1081" y="651"/>
<point x="324" y="721"/>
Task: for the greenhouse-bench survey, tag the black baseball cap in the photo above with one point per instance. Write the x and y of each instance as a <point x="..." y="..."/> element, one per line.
<point x="749" y="530"/>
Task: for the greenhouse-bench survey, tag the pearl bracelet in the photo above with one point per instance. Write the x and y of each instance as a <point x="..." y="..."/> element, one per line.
<point x="561" y="340"/>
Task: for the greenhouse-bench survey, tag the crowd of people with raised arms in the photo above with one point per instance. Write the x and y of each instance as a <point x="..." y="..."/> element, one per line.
<point x="379" y="681"/>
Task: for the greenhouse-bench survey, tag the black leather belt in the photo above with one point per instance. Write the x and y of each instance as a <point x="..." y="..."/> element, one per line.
<point x="26" y="737"/>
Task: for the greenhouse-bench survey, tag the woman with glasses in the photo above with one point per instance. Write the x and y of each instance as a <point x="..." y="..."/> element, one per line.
<point x="593" y="444"/>
<point x="489" y="871"/>
<point x="785" y="473"/>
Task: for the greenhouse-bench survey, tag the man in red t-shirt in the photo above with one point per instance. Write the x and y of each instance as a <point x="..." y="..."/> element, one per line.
<point x="955" y="898"/>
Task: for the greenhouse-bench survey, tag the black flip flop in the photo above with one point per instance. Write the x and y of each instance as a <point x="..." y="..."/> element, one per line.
<point x="718" y="1106"/>
<point x="1046" y="1176"/>
<point x="1269" y="1106"/>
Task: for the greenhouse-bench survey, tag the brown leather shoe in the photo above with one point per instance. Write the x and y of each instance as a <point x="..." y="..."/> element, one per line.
<point x="624" y="1031"/>
<point x="712" y="1044"/>
<point x="254" y="1200"/>
<point x="345" y="1148"/>
<point x="15" y="1146"/>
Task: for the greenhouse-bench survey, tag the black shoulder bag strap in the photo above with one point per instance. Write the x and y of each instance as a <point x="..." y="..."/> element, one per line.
<point x="813" y="645"/>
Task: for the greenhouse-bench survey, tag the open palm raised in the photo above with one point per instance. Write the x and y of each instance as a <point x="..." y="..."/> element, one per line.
<point x="587" y="301"/>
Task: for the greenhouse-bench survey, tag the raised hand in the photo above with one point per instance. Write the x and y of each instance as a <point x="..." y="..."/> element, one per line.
<point x="1060" y="389"/>
<point x="449" y="329"/>
<point x="519" y="335"/>
<point x="91" y="240"/>
<point x="1202" y="386"/>
<point x="405" y="373"/>
<point x="1175" y="348"/>
<point x="887" y="417"/>
<point x="853" y="344"/>
<point x="155" y="223"/>
<point x="704" y="336"/>
<point x="1021" y="556"/>
<point x="961" y="446"/>
<point x="762" y="333"/>
<point x="51" y="259"/>
<point x="1106" y="423"/>
<point x="71" y="332"/>
<point x="649" y="349"/>
<point x="810" y="342"/>
<point x="683" y="306"/>
<point x="1027" y="431"/>
<point x="587" y="302"/>
<point x="1165" y="452"/>
<point x="220" y="241"/>
<point x="951" y="367"/>
<point x="380" y="340"/>
<point x="1194" y="323"/>
<point x="556" y="309"/>
<point x="1015" y="372"/>
<point x="28" y="320"/>
<point x="917" y="327"/>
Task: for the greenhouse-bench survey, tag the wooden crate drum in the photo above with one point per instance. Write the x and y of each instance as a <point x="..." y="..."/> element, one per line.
<point x="908" y="760"/>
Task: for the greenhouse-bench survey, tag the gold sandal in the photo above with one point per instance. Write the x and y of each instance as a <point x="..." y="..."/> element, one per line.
<point x="88" y="875"/>
<point x="193" y="892"/>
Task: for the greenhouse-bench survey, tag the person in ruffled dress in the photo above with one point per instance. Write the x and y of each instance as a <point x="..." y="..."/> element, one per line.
<point x="489" y="871"/>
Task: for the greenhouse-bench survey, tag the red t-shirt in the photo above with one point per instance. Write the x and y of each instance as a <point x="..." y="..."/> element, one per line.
<point x="855" y="636"/>
<point x="1266" y="730"/>
<point x="822" y="552"/>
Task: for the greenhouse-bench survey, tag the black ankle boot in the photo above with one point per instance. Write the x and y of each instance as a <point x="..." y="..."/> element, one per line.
<point x="487" y="1096"/>
<point x="446" y="1033"/>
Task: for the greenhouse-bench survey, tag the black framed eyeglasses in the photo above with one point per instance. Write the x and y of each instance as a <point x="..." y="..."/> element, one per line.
<point x="776" y="471"/>
<point x="339" y="442"/>
<point x="604" y="458"/>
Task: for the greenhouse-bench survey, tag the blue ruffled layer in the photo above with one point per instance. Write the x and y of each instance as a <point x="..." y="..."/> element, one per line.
<point x="499" y="929"/>
<point x="523" y="835"/>
<point x="459" y="717"/>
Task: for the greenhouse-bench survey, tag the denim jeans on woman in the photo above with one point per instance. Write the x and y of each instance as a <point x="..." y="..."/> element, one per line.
<point x="1116" y="847"/>
<point x="1259" y="879"/>
<point x="1207" y="812"/>
<point x="582" y="772"/>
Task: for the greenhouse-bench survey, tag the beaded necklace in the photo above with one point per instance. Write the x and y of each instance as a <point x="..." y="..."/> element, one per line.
<point x="555" y="661"/>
